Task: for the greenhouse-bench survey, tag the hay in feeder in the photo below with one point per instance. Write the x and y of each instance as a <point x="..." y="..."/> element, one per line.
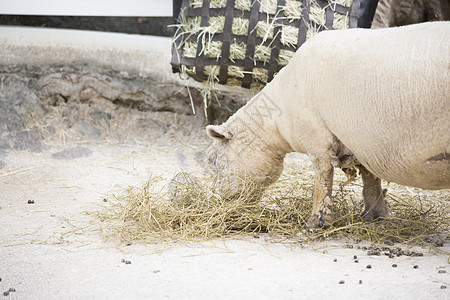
<point x="218" y="3"/>
<point x="213" y="70"/>
<point x="190" y="25"/>
<point x="262" y="53"/>
<point x="187" y="208"/>
<point x="286" y="18"/>
<point x="317" y="14"/>
<point x="190" y="49"/>
<point x="243" y="4"/>
<point x="212" y="49"/>
<point x="240" y="26"/>
<point x="338" y="20"/>
<point x="268" y="6"/>
<point x="260" y="74"/>
<point x="289" y="36"/>
<point x="215" y="25"/>
<point x="265" y="29"/>
<point x="293" y="10"/>
<point x="237" y="51"/>
<point x="285" y="56"/>
<point x="235" y="71"/>
<point x="313" y="29"/>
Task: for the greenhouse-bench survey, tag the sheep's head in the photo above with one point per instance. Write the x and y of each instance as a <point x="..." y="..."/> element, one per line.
<point x="241" y="160"/>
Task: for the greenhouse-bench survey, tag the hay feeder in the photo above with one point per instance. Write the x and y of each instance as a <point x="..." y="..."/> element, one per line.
<point x="246" y="42"/>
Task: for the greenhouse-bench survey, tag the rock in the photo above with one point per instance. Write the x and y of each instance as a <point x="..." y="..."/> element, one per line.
<point x="72" y="153"/>
<point x="87" y="130"/>
<point x="20" y="108"/>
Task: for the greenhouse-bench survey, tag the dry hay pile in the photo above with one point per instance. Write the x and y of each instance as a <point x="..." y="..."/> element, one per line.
<point x="214" y="48"/>
<point x="186" y="208"/>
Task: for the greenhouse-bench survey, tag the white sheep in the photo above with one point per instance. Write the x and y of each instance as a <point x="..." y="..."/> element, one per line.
<point x="378" y="100"/>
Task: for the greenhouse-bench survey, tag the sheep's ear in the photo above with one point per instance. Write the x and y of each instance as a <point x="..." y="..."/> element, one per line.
<point x="218" y="132"/>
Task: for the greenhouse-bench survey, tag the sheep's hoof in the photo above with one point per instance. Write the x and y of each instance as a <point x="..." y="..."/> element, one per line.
<point x="373" y="215"/>
<point x="369" y="216"/>
<point x="376" y="208"/>
<point x="380" y="211"/>
<point x="319" y="221"/>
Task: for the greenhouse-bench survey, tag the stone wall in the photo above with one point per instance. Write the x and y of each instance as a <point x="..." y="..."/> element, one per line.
<point x="81" y="87"/>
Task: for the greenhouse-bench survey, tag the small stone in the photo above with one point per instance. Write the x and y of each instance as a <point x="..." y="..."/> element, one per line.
<point x="356" y="261"/>
<point x="394" y="265"/>
<point x="129" y="244"/>
<point x="6" y="293"/>
<point x="335" y="260"/>
<point x="360" y="282"/>
<point x="373" y="252"/>
<point x="341" y="282"/>
<point x="442" y="271"/>
<point x="30" y="201"/>
<point x="105" y="200"/>
<point x="127" y="262"/>
<point x="443" y="287"/>
<point x="355" y="257"/>
<point x="364" y="248"/>
<point x="12" y="290"/>
<point x="256" y="236"/>
<point x="156" y="271"/>
<point x="391" y="255"/>
<point x="123" y="260"/>
<point x="439" y="243"/>
<point x="369" y="267"/>
<point x="416" y="267"/>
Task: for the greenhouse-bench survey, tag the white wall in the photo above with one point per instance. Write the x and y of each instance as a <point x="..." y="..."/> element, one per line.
<point x="130" y="8"/>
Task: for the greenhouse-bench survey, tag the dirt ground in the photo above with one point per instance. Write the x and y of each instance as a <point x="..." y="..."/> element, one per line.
<point x="43" y="257"/>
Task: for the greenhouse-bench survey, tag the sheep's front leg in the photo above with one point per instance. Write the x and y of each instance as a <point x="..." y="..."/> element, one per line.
<point x="375" y="205"/>
<point x="322" y="214"/>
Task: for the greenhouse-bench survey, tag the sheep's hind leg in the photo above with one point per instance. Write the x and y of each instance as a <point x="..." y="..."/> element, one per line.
<point x="375" y="204"/>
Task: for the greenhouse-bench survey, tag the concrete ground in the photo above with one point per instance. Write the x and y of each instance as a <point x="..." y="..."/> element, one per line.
<point x="44" y="257"/>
